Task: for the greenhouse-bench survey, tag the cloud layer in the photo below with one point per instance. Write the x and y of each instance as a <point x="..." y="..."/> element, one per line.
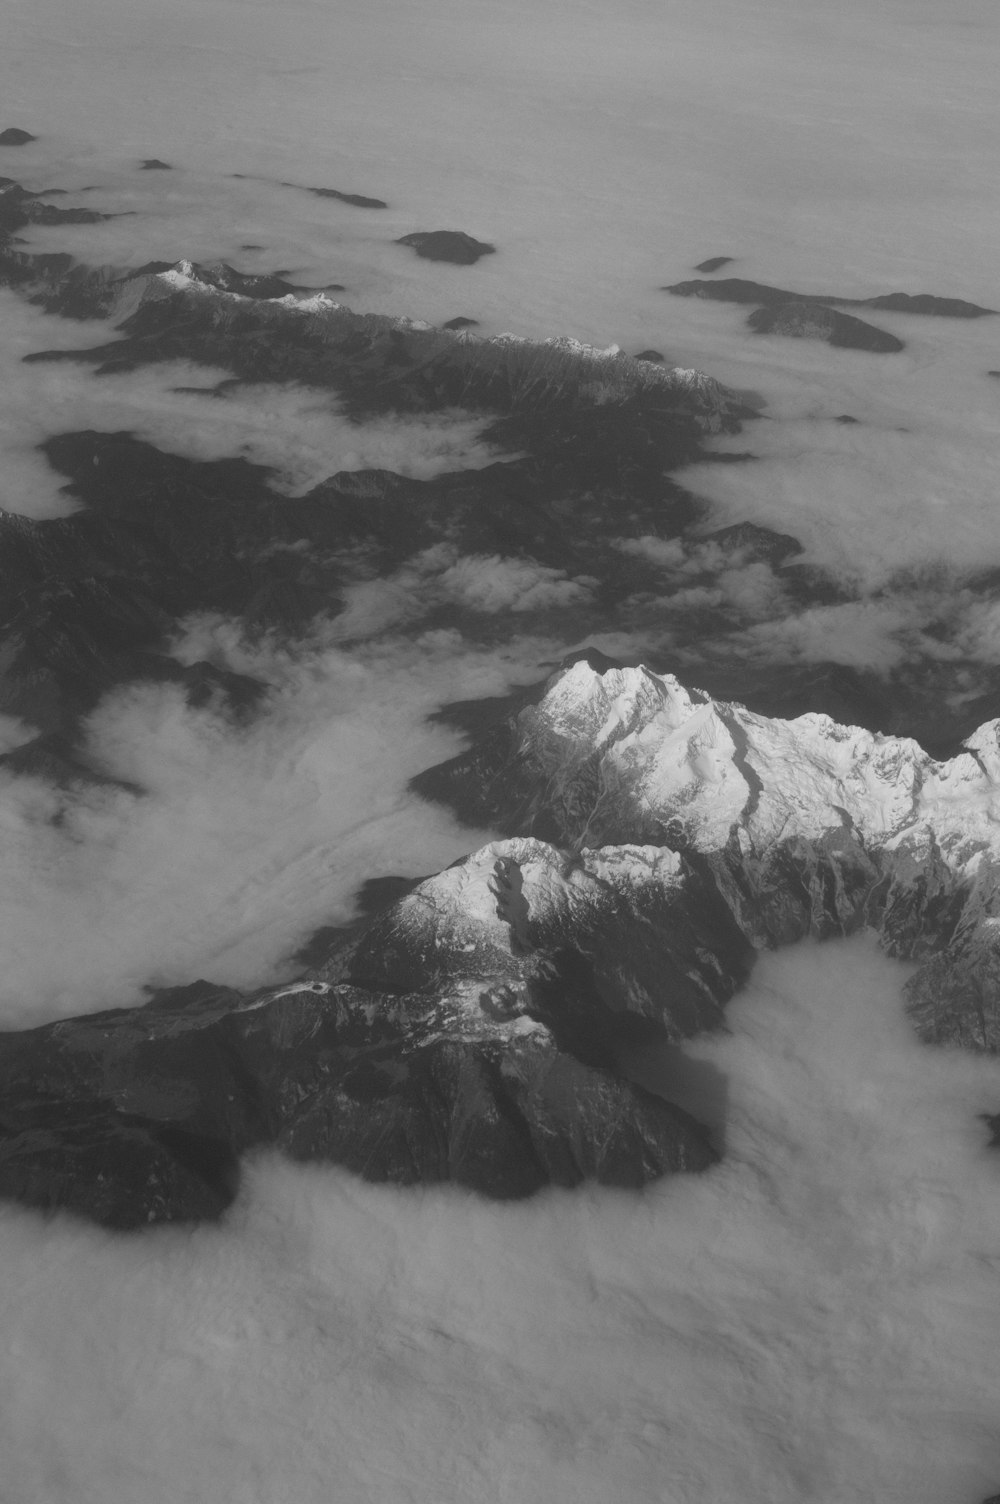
<point x="299" y="432"/>
<point x="247" y="838"/>
<point x="815" y="1315"/>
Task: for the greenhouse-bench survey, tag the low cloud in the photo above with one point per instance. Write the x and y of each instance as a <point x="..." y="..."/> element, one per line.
<point x="486" y="583"/>
<point x="490" y="583"/>
<point x="248" y="837"/>
<point x="704" y="575"/>
<point x="298" y="431"/>
<point x="978" y="634"/>
<point x="911" y="484"/>
<point x="817" y="1314"/>
<point x="670" y="553"/>
<point x="861" y="634"/>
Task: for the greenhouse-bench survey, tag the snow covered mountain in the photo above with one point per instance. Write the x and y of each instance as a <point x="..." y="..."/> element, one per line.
<point x="473" y="1031"/>
<point x="807" y="827"/>
<point x="656" y="837"/>
<point x="270" y="551"/>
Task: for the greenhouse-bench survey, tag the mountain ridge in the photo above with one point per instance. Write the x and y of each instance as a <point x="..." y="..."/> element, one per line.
<point x="653" y="838"/>
<point x="473" y="1029"/>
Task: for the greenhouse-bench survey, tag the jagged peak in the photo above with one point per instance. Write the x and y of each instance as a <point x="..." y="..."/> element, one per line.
<point x="520" y="880"/>
<point x="670" y="753"/>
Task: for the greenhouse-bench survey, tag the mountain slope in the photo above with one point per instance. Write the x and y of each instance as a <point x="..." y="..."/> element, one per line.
<point x="474" y="1029"/>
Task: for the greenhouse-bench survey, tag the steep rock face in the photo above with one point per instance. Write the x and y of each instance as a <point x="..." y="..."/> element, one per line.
<point x="627" y="929"/>
<point x="806" y="826"/>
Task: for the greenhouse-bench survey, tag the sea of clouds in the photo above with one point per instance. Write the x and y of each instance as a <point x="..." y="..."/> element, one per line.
<point x="816" y="1318"/>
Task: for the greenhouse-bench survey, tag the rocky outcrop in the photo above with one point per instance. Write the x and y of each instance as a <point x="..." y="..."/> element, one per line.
<point x="226" y="278"/>
<point x="753" y="544"/>
<point x="358" y="200"/>
<point x="740" y="290"/>
<point x="806" y="320"/>
<point x="801" y="316"/>
<point x="18" y="208"/>
<point x="447" y="245"/>
<point x="737" y="290"/>
<point x="927" y="303"/>
<point x="14" y="136"/>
